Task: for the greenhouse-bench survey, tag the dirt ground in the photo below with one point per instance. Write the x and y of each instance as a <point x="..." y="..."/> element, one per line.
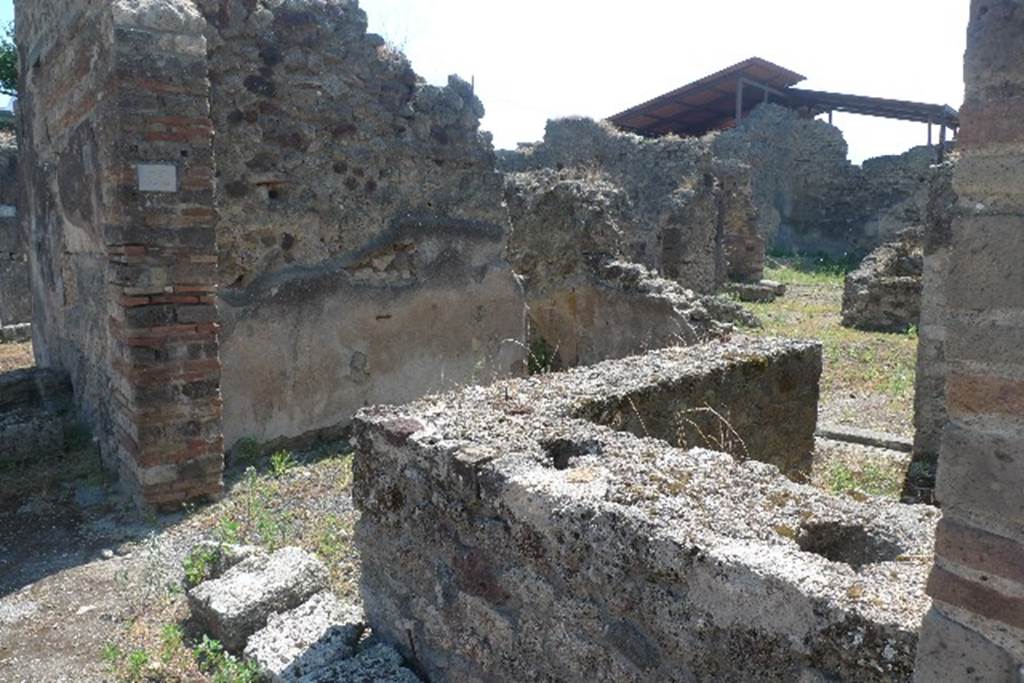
<point x="868" y="377"/>
<point x="89" y="588"/>
<point x="16" y="356"/>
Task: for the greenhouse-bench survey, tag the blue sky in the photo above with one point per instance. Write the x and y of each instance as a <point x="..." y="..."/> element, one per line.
<point x="537" y="59"/>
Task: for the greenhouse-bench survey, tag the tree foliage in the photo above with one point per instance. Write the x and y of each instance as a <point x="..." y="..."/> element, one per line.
<point x="8" y="63"/>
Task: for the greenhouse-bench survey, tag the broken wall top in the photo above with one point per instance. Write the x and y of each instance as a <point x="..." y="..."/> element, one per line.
<point x="329" y="143"/>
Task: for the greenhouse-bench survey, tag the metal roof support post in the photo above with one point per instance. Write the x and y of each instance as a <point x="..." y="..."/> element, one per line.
<point x="929" y="133"/>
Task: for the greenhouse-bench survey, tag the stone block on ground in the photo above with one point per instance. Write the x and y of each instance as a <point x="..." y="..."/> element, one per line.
<point x="379" y="663"/>
<point x="295" y="644"/>
<point x="236" y="605"/>
<point x="765" y="291"/>
<point x="884" y="293"/>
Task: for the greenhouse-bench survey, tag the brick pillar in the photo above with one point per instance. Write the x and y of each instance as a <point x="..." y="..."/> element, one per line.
<point x="163" y="263"/>
<point x="975" y="630"/>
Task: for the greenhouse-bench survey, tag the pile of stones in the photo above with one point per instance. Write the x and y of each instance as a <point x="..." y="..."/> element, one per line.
<point x="277" y="611"/>
<point x="884" y="293"/>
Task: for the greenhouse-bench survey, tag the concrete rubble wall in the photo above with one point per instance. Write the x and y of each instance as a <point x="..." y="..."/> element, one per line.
<point x="669" y="192"/>
<point x="587" y="303"/>
<point x="361" y="237"/>
<point x="505" y="536"/>
<point x="975" y="629"/>
<point x="117" y="206"/>
<point x="15" y="292"/>
<point x="810" y="198"/>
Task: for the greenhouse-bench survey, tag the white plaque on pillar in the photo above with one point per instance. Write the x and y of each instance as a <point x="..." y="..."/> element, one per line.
<point x="158" y="177"/>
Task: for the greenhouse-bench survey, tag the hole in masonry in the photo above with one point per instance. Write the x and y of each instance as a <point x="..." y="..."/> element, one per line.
<point x="850" y="544"/>
<point x="561" y="452"/>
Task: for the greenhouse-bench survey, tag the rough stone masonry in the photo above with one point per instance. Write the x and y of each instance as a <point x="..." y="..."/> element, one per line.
<point x="250" y="219"/>
<point x="975" y="628"/>
<point x="506" y="535"/>
<point x="339" y="242"/>
<point x="15" y="293"/>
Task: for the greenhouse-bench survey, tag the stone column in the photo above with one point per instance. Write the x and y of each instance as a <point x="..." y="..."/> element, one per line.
<point x="975" y="630"/>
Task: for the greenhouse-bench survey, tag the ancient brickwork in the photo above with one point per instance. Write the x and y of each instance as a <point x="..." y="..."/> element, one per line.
<point x="361" y="235"/>
<point x="668" y="185"/>
<point x="975" y="630"/>
<point x="506" y="536"/>
<point x="117" y="185"/>
<point x="810" y="198"/>
<point x="15" y="292"/>
<point x="587" y="303"/>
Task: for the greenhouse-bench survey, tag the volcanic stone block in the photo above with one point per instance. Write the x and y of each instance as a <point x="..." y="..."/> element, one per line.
<point x="506" y="536"/>
<point x="233" y="607"/>
<point x="308" y="638"/>
<point x="884" y="293"/>
<point x="379" y="663"/>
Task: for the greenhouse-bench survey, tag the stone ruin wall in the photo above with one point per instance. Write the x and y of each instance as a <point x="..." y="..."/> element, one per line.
<point x="883" y="294"/>
<point x="506" y="535"/>
<point x="810" y="198"/>
<point x="15" y="292"/>
<point x="975" y="629"/>
<point x="340" y="241"/>
<point x="587" y="302"/>
<point x="669" y="190"/>
<point x="930" y="380"/>
<point x="116" y="198"/>
<point x="361" y="236"/>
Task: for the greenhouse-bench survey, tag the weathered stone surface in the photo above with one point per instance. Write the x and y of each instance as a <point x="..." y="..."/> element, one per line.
<point x="359" y="208"/>
<point x="884" y="293"/>
<point x="35" y="409"/>
<point x="296" y="644"/>
<point x="15" y="291"/>
<point x="765" y="291"/>
<point x="587" y="303"/>
<point x="809" y="197"/>
<point x="505" y="536"/>
<point x="951" y="652"/>
<point x="670" y="208"/>
<point x="237" y="604"/>
<point x="379" y="663"/>
<point x="930" y="380"/>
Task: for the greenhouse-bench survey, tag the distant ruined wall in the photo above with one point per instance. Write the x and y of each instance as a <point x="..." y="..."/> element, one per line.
<point x="810" y="198"/>
<point x="117" y="207"/>
<point x="668" y="184"/>
<point x="587" y="303"/>
<point x="361" y="237"/>
<point x="975" y="628"/>
<point x="930" y="381"/>
<point x="15" y="292"/>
